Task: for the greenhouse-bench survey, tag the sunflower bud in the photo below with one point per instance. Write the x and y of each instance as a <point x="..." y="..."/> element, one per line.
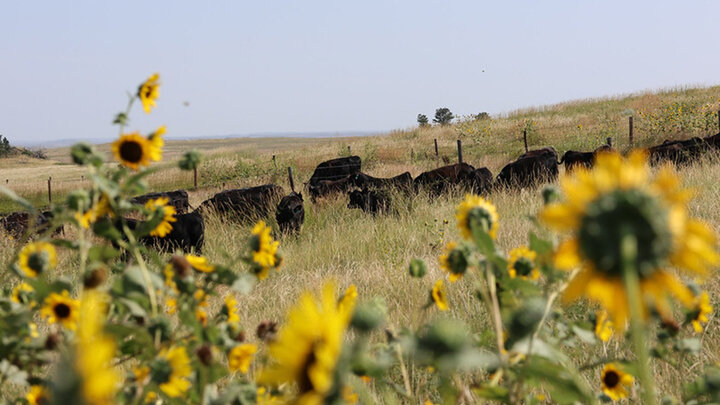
<point x="444" y="337"/>
<point x="369" y="315"/>
<point x="267" y="330"/>
<point x="78" y="200"/>
<point x="205" y="354"/>
<point x="181" y="265"/>
<point x="418" y="268"/>
<point x="83" y="153"/>
<point x="95" y="277"/>
<point x="524" y="320"/>
<point x="52" y="341"/>
<point x="551" y="194"/>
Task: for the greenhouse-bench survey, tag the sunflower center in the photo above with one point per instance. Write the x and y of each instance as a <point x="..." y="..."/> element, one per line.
<point x="161" y="371"/>
<point x="481" y="217"/>
<point x="255" y="244"/>
<point x="37" y="261"/>
<point x="131" y="151"/>
<point x="61" y="310"/>
<point x="611" y="379"/>
<point x="305" y="383"/>
<point x="457" y="262"/>
<point x="523" y="266"/>
<point x="616" y="215"/>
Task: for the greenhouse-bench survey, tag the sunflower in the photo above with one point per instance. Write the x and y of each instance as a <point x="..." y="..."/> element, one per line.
<point x="701" y="311"/>
<point x="36" y="258"/>
<point x="616" y="383"/>
<point x="347" y="301"/>
<point x="438" y="296"/>
<point x="21" y="293"/>
<point x="308" y="346"/>
<point x="453" y="261"/>
<point x="172" y="371"/>
<point x="92" y="214"/>
<point x="149" y="91"/>
<point x="479" y="211"/>
<point x="241" y="356"/>
<point x="619" y="201"/>
<point x="230" y="308"/>
<point x="60" y="308"/>
<point x="264" y="250"/>
<point x="99" y="377"/>
<point x="157" y="142"/>
<point x="202" y="316"/>
<point x="199" y="263"/>
<point x="522" y="264"/>
<point x="168" y="213"/>
<point x="38" y="395"/>
<point x="603" y="326"/>
<point x="133" y="150"/>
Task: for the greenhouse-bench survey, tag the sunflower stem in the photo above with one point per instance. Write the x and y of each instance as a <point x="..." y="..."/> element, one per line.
<point x="631" y="278"/>
<point x="495" y="309"/>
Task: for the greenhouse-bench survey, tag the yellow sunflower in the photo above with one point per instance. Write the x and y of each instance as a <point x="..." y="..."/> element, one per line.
<point x="92" y="214"/>
<point x="453" y="261"/>
<point x="99" y="376"/>
<point x="308" y="346"/>
<point x="36" y="258"/>
<point x="603" y="326"/>
<point x="439" y="296"/>
<point x="522" y="264"/>
<point x="60" y="308"/>
<point x="199" y="263"/>
<point x="231" y="309"/>
<point x="347" y="301"/>
<point x="172" y="371"/>
<point x="21" y="292"/>
<point x="264" y="250"/>
<point x="241" y="356"/>
<point x="133" y="150"/>
<point x="701" y="312"/>
<point x="38" y="395"/>
<point x="619" y="203"/>
<point x="149" y="91"/>
<point x="479" y="211"/>
<point x="616" y="383"/>
<point x="202" y="316"/>
<point x="168" y="212"/>
<point x="157" y="142"/>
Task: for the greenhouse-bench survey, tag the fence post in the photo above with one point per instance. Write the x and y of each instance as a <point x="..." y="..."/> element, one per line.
<point x="718" y="121"/>
<point x="195" y="178"/>
<point x="349" y="153"/>
<point x="630" y="125"/>
<point x="412" y="154"/>
<point x="459" y="142"/>
<point x="50" y="190"/>
<point x="290" y="177"/>
<point x="274" y="162"/>
<point x="525" y="140"/>
<point x="609" y="141"/>
<point x="437" y="155"/>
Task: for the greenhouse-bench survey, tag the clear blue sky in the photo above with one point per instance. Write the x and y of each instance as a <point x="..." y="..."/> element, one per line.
<point x="274" y="66"/>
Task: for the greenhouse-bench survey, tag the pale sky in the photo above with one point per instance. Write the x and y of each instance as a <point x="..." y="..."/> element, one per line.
<point x="304" y="66"/>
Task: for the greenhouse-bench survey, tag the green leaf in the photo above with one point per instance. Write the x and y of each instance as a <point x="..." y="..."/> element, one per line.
<point x="689" y="345"/>
<point x="584" y="334"/>
<point x="244" y="283"/>
<point x="102" y="253"/>
<point x="493" y="393"/>
<point x="27" y="206"/>
<point x="540" y="246"/>
<point x="135" y="309"/>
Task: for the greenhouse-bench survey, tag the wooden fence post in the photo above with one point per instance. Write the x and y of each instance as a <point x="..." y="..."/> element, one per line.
<point x="349" y="153"/>
<point x="525" y="139"/>
<point x="630" y="127"/>
<point x="437" y="155"/>
<point x="195" y="178"/>
<point x="274" y="162"/>
<point x="459" y="142"/>
<point x="609" y="141"/>
<point x="290" y="177"/>
<point x="50" y="190"/>
<point x="718" y="121"/>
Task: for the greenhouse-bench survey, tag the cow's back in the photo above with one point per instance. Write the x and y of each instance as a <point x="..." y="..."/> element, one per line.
<point x="336" y="169"/>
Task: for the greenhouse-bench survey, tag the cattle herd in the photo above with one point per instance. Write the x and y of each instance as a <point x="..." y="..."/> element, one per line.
<point x="371" y="194"/>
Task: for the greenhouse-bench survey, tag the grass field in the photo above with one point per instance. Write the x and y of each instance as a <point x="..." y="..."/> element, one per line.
<point x="373" y="252"/>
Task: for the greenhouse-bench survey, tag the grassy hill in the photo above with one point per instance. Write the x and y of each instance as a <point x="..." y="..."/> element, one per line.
<point x="373" y="252"/>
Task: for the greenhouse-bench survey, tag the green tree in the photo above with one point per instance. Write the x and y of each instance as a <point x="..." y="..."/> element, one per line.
<point x="4" y="146"/>
<point x="482" y="116"/>
<point x="443" y="116"/>
<point x="422" y="120"/>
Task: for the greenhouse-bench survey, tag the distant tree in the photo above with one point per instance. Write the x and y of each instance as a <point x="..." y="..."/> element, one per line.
<point x="443" y="116"/>
<point x="482" y="116"/>
<point x="5" y="148"/>
<point x="422" y="120"/>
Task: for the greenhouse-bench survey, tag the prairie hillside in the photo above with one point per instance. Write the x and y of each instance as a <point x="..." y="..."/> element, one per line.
<point x="373" y="252"/>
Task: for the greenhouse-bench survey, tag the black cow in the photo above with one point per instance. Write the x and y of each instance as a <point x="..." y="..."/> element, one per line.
<point x="16" y="224"/>
<point x="247" y="204"/>
<point x="188" y="232"/>
<point x="678" y="152"/>
<point x="445" y="178"/>
<point x="530" y="168"/>
<point x="403" y="181"/>
<point x="369" y="201"/>
<point x="713" y="141"/>
<point x="290" y="213"/>
<point x="482" y="181"/>
<point x="573" y="159"/>
<point x="336" y="169"/>
<point x="178" y="199"/>
<point x="323" y="188"/>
